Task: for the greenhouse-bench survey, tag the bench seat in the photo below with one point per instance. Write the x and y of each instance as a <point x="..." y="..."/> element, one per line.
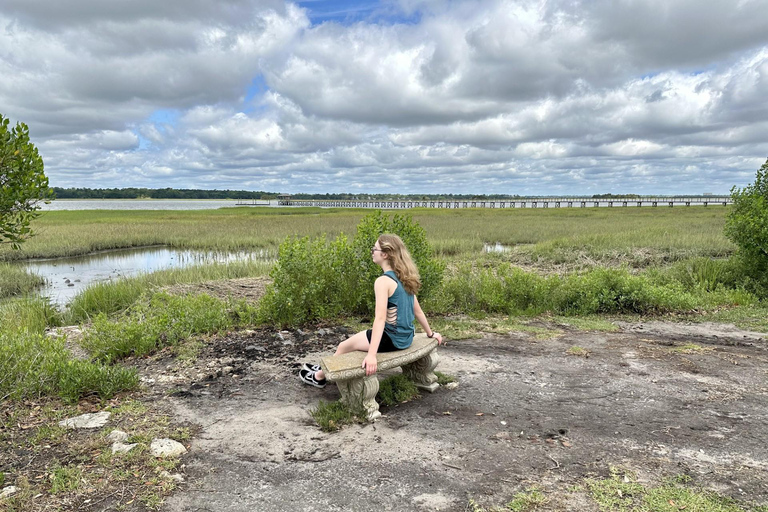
<point x="417" y="361"/>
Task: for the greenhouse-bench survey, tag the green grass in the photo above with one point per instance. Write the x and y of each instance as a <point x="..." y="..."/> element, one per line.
<point x="577" y="351"/>
<point x="65" y="478"/>
<point x="444" y="378"/>
<point x="524" y="501"/>
<point x="157" y="321"/>
<point x="396" y="389"/>
<point x="113" y="297"/>
<point x="33" y="364"/>
<point x="331" y="416"/>
<point x="15" y="280"/>
<point x="621" y="492"/>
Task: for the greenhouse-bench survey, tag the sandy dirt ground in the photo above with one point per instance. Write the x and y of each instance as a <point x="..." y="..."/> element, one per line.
<point x="659" y="399"/>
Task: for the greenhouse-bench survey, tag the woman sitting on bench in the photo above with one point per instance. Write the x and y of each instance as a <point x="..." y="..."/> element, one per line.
<point x="396" y="307"/>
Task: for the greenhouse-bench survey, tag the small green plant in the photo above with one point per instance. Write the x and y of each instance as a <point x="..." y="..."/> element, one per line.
<point x="529" y="499"/>
<point x="65" y="478"/>
<point x="617" y="493"/>
<point x="396" y="389"/>
<point x="444" y="378"/>
<point x="692" y="348"/>
<point x="577" y="351"/>
<point x="331" y="416"/>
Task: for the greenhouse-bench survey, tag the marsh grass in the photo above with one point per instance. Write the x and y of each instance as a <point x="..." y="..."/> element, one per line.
<point x="15" y="280"/>
<point x="639" y="237"/>
<point x="157" y="321"/>
<point x="34" y="365"/>
<point x="116" y="296"/>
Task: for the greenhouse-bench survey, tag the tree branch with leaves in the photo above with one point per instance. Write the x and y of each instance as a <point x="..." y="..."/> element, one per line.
<point x="23" y="184"/>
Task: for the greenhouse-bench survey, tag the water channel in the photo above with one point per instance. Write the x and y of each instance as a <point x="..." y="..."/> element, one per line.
<point x="66" y="277"/>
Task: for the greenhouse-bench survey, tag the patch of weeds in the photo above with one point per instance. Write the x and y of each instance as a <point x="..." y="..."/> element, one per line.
<point x="444" y="378"/>
<point x="48" y="433"/>
<point x="65" y="478"/>
<point x="468" y="327"/>
<point x="129" y="408"/>
<point x="753" y="318"/>
<point x="530" y="499"/>
<point x="578" y="351"/>
<point x="692" y="348"/>
<point x="331" y="416"/>
<point x="622" y="493"/>
<point x="618" y="493"/>
<point x="587" y="323"/>
<point x="396" y="389"/>
<point x="189" y="350"/>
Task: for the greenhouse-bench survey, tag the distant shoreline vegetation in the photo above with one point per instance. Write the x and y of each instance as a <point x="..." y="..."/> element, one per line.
<point x="172" y="193"/>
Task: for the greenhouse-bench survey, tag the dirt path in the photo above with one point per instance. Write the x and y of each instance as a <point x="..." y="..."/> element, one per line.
<point x="644" y="399"/>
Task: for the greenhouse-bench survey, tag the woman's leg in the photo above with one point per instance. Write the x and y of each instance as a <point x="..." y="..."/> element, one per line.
<point x="357" y="342"/>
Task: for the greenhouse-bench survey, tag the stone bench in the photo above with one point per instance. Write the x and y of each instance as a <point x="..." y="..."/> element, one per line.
<point x="418" y="363"/>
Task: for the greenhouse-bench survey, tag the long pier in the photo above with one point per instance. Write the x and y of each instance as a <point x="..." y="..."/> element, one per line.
<point x="528" y="202"/>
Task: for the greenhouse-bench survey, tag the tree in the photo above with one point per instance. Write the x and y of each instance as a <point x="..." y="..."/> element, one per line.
<point x="23" y="184"/>
<point x="747" y="227"/>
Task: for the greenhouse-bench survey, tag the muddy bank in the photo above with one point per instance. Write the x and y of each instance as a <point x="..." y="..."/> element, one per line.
<point x="526" y="412"/>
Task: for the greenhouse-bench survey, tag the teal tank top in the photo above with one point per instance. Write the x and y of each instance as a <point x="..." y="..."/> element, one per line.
<point x="399" y="324"/>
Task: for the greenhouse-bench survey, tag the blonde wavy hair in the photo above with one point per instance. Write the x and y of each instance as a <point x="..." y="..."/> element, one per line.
<point x="401" y="262"/>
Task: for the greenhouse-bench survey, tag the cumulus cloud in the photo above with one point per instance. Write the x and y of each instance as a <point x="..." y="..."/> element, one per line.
<point x="482" y="96"/>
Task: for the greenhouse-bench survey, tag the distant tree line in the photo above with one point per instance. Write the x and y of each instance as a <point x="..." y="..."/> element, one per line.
<point x="157" y="193"/>
<point x="172" y="193"/>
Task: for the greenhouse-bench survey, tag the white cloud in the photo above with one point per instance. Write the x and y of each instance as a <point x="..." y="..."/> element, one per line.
<point x="524" y="96"/>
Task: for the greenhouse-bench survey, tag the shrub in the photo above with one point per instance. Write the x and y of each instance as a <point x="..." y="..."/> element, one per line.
<point x="318" y="279"/>
<point x="747" y="227"/>
<point x="413" y="235"/>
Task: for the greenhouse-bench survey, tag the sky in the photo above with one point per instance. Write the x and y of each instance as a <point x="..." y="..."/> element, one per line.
<point x="529" y="97"/>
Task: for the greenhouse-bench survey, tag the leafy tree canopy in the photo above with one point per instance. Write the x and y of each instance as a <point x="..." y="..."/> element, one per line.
<point x="23" y="184"/>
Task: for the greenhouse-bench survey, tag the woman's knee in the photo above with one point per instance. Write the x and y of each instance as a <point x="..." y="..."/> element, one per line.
<point x="358" y="341"/>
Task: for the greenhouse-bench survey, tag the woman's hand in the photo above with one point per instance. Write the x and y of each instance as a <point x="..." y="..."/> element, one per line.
<point x="370" y="364"/>
<point x="438" y="337"/>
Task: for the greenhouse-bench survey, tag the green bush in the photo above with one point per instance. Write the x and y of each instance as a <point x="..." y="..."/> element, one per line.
<point x="318" y="279"/>
<point x="414" y="237"/>
<point x="747" y="227"/>
<point x="312" y="279"/>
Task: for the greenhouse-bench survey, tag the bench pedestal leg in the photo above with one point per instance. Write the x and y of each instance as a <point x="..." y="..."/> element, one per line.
<point x="421" y="372"/>
<point x="361" y="393"/>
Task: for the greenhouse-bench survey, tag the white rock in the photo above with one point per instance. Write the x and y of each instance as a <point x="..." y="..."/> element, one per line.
<point x="117" y="436"/>
<point x="94" y="420"/>
<point x="7" y="491"/>
<point x="166" y="448"/>
<point x="175" y="477"/>
<point x="452" y="385"/>
<point x="123" y="448"/>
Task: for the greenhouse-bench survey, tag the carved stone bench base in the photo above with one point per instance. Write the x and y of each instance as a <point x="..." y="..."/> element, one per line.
<point x="358" y="391"/>
<point x="361" y="393"/>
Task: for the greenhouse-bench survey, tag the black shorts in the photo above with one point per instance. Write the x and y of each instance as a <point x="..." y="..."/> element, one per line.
<point x="386" y="342"/>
